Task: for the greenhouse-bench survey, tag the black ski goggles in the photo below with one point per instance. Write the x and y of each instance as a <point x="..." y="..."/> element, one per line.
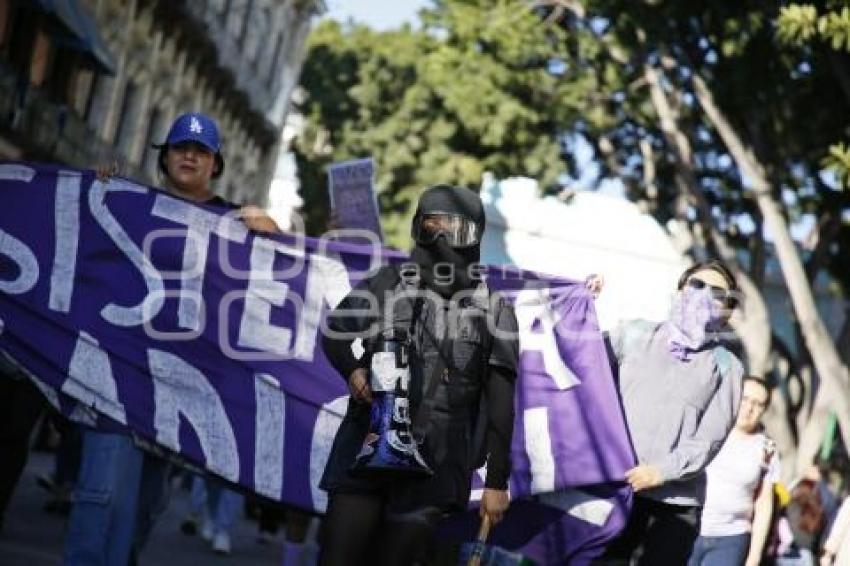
<point x="458" y="230"/>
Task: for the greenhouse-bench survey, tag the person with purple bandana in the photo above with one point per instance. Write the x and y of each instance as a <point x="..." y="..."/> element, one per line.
<point x="680" y="390"/>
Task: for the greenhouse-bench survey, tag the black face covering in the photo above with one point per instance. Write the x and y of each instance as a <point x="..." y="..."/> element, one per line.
<point x="444" y="269"/>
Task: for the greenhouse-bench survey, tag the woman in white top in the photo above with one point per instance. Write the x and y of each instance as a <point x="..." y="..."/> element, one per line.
<point x="739" y="492"/>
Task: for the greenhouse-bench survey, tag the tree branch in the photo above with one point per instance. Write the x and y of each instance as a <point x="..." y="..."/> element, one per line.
<point x="753" y="325"/>
<point x="834" y="374"/>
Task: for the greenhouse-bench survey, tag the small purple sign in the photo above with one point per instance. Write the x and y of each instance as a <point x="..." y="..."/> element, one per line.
<point x="352" y="195"/>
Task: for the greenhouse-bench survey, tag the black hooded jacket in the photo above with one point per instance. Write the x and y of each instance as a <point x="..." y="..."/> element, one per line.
<point x="489" y="372"/>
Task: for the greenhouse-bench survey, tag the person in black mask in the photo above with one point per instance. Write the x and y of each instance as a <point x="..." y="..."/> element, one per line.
<point x="447" y="229"/>
<point x="463" y="363"/>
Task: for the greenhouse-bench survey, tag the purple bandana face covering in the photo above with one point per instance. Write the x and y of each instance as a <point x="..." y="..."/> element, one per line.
<point x="694" y="318"/>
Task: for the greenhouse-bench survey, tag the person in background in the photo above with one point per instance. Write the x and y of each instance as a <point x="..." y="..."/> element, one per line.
<point x="807" y="517"/>
<point x="819" y="473"/>
<point x="215" y="507"/>
<point x="21" y="404"/>
<point x="120" y="492"/>
<point x="836" y="549"/>
<point x="60" y="483"/>
<point x="680" y="390"/>
<point x="739" y="500"/>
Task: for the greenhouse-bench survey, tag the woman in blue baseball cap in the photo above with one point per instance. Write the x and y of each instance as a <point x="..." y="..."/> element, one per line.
<point x="189" y="160"/>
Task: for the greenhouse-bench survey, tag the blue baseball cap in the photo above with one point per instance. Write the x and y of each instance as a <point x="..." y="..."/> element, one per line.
<point x="195" y="127"/>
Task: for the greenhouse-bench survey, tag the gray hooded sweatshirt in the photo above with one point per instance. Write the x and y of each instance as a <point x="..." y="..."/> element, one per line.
<point x="678" y="412"/>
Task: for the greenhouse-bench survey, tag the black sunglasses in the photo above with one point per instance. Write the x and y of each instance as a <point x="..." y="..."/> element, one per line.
<point x="719" y="293"/>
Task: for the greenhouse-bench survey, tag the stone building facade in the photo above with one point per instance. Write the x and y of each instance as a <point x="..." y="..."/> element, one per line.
<point x="90" y="81"/>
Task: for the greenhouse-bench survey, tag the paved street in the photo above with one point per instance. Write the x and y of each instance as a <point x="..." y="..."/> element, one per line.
<point x="34" y="538"/>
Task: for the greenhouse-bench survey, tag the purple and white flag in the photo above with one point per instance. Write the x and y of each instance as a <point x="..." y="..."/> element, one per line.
<point x="171" y="320"/>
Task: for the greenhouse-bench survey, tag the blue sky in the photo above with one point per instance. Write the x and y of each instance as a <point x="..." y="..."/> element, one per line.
<point x="378" y="14"/>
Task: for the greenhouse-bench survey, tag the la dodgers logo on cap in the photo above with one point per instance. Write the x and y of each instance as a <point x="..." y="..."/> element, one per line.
<point x="196" y="127"/>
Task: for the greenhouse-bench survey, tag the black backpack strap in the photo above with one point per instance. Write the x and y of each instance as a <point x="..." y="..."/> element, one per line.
<point x="478" y="451"/>
<point x="444" y="363"/>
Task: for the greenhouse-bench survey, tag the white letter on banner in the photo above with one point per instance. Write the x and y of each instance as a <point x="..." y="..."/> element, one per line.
<point x="20" y="253"/>
<point x="269" y="439"/>
<point x="67" y="238"/>
<point x="15" y="172"/>
<point x="90" y="379"/>
<point x="180" y="389"/>
<point x="14" y="248"/>
<point x="581" y="505"/>
<point x="152" y="303"/>
<point x="200" y="223"/>
<point x="533" y="305"/>
<point x="255" y="329"/>
<point x="327" y="422"/>
<point x="538" y="447"/>
<point x="327" y="280"/>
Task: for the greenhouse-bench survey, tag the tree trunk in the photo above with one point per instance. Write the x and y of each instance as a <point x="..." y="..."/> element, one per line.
<point x="753" y="325"/>
<point x="843" y="342"/>
<point x="812" y="434"/>
<point x="833" y="373"/>
<point x="777" y="423"/>
<point x="758" y="257"/>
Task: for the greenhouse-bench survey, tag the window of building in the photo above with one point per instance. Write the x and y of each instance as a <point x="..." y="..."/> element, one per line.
<point x="246" y="21"/>
<point x="259" y="37"/>
<point x="81" y="90"/>
<point x="149" y="154"/>
<point x="5" y="27"/>
<point x="126" y="119"/>
<point x="93" y="90"/>
<point x="22" y="41"/>
<point x="59" y="81"/>
<point x="273" y="71"/>
<point x="40" y="61"/>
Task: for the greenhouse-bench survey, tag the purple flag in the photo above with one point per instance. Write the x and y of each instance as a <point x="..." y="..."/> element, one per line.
<point x="570" y="448"/>
<point x="135" y="309"/>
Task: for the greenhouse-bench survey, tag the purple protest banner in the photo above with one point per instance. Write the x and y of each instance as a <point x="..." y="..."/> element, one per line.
<point x="171" y="320"/>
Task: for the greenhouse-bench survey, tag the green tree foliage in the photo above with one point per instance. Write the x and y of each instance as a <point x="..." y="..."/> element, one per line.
<point x="838" y="161"/>
<point x="475" y="89"/>
<point x="800" y="24"/>
<point x="497" y="86"/>
<point x="784" y="101"/>
<point x="804" y="26"/>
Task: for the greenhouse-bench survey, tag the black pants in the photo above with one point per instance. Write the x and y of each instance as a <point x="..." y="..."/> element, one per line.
<point x="657" y="534"/>
<point x="21" y="404"/>
<point x="359" y="530"/>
